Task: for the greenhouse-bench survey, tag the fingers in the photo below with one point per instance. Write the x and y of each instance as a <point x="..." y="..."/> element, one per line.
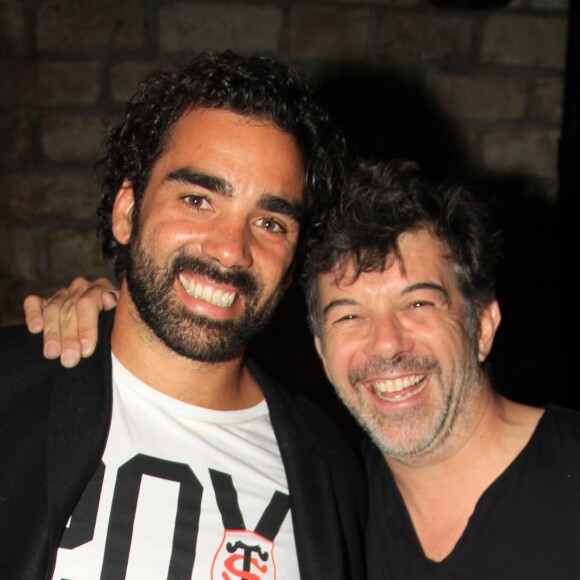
<point x="69" y="319"/>
<point x="79" y="317"/>
<point x="44" y="315"/>
<point x="61" y="337"/>
<point x="100" y="296"/>
<point x="110" y="299"/>
<point x="33" y="307"/>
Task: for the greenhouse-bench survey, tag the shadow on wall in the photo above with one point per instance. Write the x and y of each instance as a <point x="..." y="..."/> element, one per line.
<point x="526" y="360"/>
<point x="387" y="115"/>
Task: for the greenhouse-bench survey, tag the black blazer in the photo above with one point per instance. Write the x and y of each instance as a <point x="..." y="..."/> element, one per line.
<point x="53" y="429"/>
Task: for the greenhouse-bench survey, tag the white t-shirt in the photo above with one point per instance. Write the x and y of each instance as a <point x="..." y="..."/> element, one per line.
<point x="183" y="492"/>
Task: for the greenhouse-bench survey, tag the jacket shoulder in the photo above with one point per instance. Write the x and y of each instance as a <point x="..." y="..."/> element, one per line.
<point x="21" y="357"/>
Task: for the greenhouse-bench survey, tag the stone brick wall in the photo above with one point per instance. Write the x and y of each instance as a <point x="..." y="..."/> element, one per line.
<point x="475" y="91"/>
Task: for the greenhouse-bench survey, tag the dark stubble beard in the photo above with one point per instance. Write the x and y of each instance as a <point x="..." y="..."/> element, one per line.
<point x="189" y="334"/>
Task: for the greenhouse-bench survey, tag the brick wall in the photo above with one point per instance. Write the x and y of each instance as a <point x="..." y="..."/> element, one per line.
<point x="474" y="91"/>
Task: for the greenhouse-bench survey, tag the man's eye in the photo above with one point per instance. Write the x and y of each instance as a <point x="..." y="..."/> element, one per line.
<point x="346" y="318"/>
<point x="197" y="201"/>
<point x="420" y="304"/>
<point x="271" y="225"/>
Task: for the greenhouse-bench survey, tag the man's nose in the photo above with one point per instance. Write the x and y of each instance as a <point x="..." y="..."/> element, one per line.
<point x="389" y="337"/>
<point x="230" y="244"/>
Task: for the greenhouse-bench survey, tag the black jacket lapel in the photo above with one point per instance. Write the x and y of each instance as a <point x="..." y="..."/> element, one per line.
<point x="82" y="395"/>
<point x="327" y="486"/>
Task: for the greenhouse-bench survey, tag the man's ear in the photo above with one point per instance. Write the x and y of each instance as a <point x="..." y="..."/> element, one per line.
<point x="488" y="325"/>
<point x="319" y="344"/>
<point x="123" y="213"/>
<point x="320" y="349"/>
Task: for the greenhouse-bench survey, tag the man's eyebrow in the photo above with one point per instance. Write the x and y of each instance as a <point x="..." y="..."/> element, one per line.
<point x="408" y="290"/>
<point x="205" y="180"/>
<point x="268" y="202"/>
<point x="429" y="286"/>
<point x="336" y="303"/>
<point x="278" y="204"/>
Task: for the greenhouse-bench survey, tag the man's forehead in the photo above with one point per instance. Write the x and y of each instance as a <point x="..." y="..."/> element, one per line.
<point x="345" y="276"/>
<point x="206" y="115"/>
<point x="418" y="254"/>
<point x="212" y="140"/>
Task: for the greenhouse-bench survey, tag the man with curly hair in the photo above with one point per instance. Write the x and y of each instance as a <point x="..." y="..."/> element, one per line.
<point x="167" y="454"/>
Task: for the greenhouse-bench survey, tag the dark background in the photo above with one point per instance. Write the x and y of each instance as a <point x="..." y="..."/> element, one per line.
<point x="66" y="67"/>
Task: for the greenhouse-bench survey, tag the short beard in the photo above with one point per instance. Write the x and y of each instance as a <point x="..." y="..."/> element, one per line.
<point x="191" y="335"/>
<point x="375" y="423"/>
<point x="441" y="420"/>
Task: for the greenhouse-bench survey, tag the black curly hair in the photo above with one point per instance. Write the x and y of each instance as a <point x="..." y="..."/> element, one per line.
<point x="254" y="86"/>
<point x="383" y="200"/>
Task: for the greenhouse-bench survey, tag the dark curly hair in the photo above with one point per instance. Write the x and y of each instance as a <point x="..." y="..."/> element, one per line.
<point x="254" y="86"/>
<point x="383" y="200"/>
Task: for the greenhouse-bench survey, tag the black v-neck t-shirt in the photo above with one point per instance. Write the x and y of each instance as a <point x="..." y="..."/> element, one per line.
<point x="526" y="525"/>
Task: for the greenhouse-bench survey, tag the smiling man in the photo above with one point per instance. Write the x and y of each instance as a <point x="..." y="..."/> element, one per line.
<point x="400" y="283"/>
<point x="464" y="483"/>
<point x="167" y="454"/>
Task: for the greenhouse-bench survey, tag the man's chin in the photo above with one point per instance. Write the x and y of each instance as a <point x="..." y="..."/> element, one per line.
<point x="202" y="339"/>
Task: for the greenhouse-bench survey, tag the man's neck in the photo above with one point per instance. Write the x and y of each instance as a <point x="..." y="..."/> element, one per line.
<point x="441" y="493"/>
<point x="225" y="385"/>
<point x="499" y="430"/>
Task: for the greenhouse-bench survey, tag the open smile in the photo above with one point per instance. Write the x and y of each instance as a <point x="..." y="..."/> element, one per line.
<point x="207" y="293"/>
<point x="400" y="389"/>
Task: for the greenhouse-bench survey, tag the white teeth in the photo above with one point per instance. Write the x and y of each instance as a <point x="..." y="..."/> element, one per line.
<point x="394" y="386"/>
<point x="207" y="293"/>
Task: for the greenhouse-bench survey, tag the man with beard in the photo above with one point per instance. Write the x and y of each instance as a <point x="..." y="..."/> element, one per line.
<point x="464" y="483"/>
<point x="400" y="283"/>
<point x="167" y="454"/>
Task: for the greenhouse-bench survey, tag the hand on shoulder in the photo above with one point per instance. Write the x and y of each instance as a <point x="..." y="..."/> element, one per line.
<point x="69" y="318"/>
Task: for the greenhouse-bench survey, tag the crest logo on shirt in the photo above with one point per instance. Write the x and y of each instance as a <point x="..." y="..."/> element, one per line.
<point x="244" y="555"/>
